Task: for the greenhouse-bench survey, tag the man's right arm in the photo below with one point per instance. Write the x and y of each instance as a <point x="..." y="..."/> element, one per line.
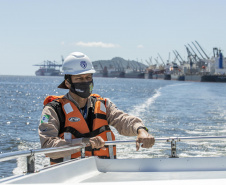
<point x="49" y="133"/>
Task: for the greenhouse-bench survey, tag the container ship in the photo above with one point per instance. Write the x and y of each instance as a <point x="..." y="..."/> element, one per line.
<point x="49" y="68"/>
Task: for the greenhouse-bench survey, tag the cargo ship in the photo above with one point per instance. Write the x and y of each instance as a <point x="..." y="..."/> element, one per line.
<point x="212" y="70"/>
<point x="160" y="73"/>
<point x="177" y="77"/>
<point x="201" y="68"/>
<point x="47" y="72"/>
<point x="49" y="68"/>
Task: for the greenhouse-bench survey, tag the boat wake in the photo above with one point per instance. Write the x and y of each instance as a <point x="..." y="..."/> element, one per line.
<point x="40" y="161"/>
<point x="142" y="108"/>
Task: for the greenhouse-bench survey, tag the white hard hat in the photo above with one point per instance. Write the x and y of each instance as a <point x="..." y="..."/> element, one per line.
<point x="76" y="63"/>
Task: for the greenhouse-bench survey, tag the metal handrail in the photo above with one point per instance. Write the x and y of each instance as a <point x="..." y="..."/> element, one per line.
<point x="169" y="139"/>
<point x="13" y="155"/>
<point x="32" y="152"/>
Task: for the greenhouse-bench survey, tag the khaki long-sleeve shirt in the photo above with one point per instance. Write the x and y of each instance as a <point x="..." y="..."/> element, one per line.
<point x="49" y="126"/>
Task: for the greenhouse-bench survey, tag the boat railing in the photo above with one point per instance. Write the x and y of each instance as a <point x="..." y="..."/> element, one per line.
<point x="30" y="154"/>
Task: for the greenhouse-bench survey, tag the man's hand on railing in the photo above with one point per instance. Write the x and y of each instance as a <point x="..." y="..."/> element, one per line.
<point x="145" y="138"/>
<point x="97" y="142"/>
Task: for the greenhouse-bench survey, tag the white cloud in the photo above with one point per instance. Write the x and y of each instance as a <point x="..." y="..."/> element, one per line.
<point x="96" y="44"/>
<point x="140" y="46"/>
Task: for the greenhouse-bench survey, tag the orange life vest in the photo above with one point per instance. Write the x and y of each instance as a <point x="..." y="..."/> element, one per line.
<point x="77" y="125"/>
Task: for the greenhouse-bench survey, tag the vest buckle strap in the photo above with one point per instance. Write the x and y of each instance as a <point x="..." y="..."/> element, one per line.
<point x="94" y="133"/>
<point x="100" y="116"/>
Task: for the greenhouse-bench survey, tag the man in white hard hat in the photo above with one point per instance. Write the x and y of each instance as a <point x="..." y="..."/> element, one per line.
<point x="81" y="117"/>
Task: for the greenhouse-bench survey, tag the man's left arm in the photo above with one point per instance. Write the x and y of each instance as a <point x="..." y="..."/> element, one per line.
<point x="128" y="125"/>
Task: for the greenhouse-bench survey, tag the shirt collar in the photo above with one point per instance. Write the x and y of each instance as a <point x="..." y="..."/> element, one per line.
<point x="68" y="96"/>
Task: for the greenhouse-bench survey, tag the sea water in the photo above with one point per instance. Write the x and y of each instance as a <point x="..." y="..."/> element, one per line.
<point x="167" y="108"/>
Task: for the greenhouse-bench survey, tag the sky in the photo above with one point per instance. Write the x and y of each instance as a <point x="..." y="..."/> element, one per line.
<point x="33" y="31"/>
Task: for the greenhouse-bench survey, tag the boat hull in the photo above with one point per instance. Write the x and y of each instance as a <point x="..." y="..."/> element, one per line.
<point x="95" y="170"/>
<point x="213" y="78"/>
<point x="206" y="78"/>
<point x="177" y="77"/>
<point x="195" y="78"/>
<point x="48" y="72"/>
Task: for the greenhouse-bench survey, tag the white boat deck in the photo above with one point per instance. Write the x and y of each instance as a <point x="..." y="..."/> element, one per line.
<point x="155" y="171"/>
<point x="158" y="171"/>
<point x="151" y="176"/>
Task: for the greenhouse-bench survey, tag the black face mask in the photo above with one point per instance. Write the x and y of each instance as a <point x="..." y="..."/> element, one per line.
<point x="82" y="89"/>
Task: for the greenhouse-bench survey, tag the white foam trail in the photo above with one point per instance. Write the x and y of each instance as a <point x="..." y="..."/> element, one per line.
<point x="40" y="160"/>
<point x="137" y="110"/>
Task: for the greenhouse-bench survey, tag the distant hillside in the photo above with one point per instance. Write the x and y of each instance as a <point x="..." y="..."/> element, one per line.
<point x="119" y="64"/>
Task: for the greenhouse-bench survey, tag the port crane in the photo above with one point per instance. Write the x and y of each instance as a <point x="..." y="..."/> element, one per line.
<point x="182" y="61"/>
<point x="49" y="64"/>
<point x="202" y="50"/>
<point x="176" y="55"/>
<point x="161" y="59"/>
<point x="191" y="56"/>
<point x="151" y="60"/>
<point x="156" y="60"/>
<point x="195" y="54"/>
<point x="198" y="50"/>
<point x="149" y="64"/>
